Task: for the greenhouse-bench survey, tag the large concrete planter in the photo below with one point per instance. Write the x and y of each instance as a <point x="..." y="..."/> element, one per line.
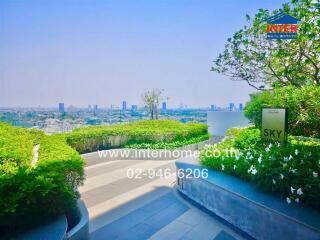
<point x="57" y="229"/>
<point x="258" y="214"/>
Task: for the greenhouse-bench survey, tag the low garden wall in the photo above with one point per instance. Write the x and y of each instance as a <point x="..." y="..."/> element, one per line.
<point x="258" y="214"/>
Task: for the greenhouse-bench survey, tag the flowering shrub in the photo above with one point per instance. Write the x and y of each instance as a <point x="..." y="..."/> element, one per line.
<point x="291" y="170"/>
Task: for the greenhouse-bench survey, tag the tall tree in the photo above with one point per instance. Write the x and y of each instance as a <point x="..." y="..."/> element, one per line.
<point x="151" y="100"/>
<point x="249" y="56"/>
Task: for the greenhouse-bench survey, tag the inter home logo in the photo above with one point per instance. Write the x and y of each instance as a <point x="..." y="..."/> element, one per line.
<point x="282" y="26"/>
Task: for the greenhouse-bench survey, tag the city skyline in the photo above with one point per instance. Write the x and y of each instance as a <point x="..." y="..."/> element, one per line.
<point x="84" y="53"/>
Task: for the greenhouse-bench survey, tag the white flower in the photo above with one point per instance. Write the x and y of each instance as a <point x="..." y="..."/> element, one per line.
<point x="281" y="176"/>
<point x="296" y="152"/>
<point x="278" y="144"/>
<point x="270" y="145"/>
<point x="222" y="167"/>
<point x="292" y="170"/>
<point x="299" y="191"/>
<point x="301" y="161"/>
<point x="288" y="200"/>
<point x="251" y="157"/>
<point x="254" y="171"/>
<point x="290" y="157"/>
<point x="234" y="167"/>
<point x="260" y="159"/>
<point x="237" y="157"/>
<point x="286" y="159"/>
<point x="292" y="189"/>
<point x="315" y="174"/>
<point x="297" y="200"/>
<point x="267" y="149"/>
<point x="274" y="181"/>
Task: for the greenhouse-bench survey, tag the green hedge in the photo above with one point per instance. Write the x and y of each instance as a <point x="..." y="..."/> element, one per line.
<point x="16" y="146"/>
<point x="148" y="133"/>
<point x="291" y="170"/>
<point x="33" y="194"/>
<point x="303" y="106"/>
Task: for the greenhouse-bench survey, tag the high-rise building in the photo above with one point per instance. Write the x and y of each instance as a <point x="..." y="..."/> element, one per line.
<point x="134" y="108"/>
<point x="164" y="106"/>
<point x="240" y="107"/>
<point x="231" y="107"/>
<point x="95" y="109"/>
<point x="124" y="106"/>
<point x="212" y="107"/>
<point x="61" y="107"/>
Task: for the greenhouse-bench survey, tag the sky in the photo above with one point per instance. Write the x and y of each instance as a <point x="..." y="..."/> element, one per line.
<point x="83" y="52"/>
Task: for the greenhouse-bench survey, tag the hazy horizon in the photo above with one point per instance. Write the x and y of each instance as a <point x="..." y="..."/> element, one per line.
<point x="103" y="52"/>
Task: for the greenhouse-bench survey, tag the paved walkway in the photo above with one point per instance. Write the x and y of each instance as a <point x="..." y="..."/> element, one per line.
<point x="143" y="208"/>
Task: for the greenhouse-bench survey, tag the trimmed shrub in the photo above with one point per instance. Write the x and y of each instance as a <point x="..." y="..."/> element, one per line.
<point x="303" y="108"/>
<point x="291" y="170"/>
<point x="16" y="146"/>
<point x="148" y="133"/>
<point x="34" y="194"/>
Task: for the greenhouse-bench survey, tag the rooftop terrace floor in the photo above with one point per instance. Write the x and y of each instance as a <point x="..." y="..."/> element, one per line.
<point x="143" y="208"/>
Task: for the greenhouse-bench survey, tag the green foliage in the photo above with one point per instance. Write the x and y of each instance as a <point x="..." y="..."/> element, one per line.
<point x="303" y="108"/>
<point x="290" y="170"/>
<point x="16" y="146"/>
<point x="249" y="56"/>
<point x="158" y="133"/>
<point x="33" y="194"/>
<point x="170" y="145"/>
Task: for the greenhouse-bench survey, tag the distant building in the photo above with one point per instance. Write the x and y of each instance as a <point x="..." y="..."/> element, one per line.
<point x="240" y="107"/>
<point x="61" y="107"/>
<point x="134" y="108"/>
<point x="212" y="107"/>
<point x="164" y="106"/>
<point x="124" y="106"/>
<point x="95" y="109"/>
<point x="231" y="107"/>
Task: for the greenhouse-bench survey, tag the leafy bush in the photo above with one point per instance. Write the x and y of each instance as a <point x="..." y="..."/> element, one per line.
<point x="171" y="145"/>
<point x="34" y="194"/>
<point x="157" y="133"/>
<point x="291" y="170"/>
<point x="16" y="146"/>
<point x="303" y="108"/>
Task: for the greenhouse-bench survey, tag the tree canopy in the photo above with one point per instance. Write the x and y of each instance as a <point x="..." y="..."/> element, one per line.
<point x="249" y="56"/>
